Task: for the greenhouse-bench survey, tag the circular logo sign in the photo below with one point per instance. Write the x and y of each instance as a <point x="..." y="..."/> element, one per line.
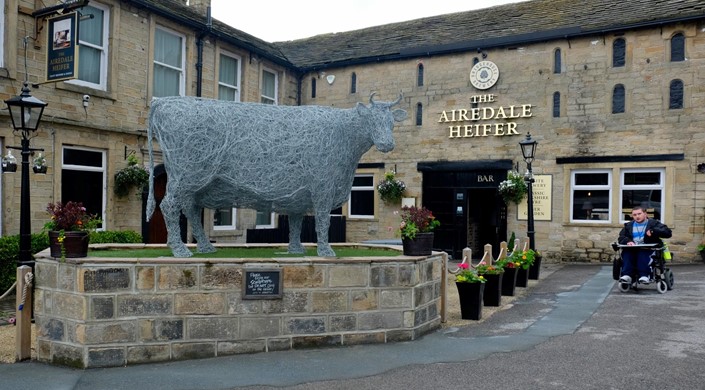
<point x="484" y="75"/>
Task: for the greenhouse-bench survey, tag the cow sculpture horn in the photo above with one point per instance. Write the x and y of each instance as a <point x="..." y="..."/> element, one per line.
<point x="385" y="104"/>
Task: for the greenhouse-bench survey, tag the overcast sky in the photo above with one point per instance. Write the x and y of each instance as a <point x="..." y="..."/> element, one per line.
<point x="283" y="20"/>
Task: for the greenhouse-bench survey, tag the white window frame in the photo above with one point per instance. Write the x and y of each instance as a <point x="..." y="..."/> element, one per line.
<point x="182" y="70"/>
<point x="103" y="85"/>
<point x="2" y="34"/>
<point x="239" y="73"/>
<point x="271" y="222"/>
<point x="103" y="169"/>
<point x="276" y="86"/>
<point x="232" y="226"/>
<point x="361" y="188"/>
<point x="574" y="187"/>
<point x="661" y="187"/>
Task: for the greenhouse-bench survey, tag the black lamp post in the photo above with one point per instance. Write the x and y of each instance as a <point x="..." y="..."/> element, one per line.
<point x="528" y="150"/>
<point x="26" y="112"/>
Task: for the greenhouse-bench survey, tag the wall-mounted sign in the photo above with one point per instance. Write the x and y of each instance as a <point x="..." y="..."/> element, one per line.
<point x="62" y="49"/>
<point x="262" y="284"/>
<point x="484" y="75"/>
<point x="542" y="200"/>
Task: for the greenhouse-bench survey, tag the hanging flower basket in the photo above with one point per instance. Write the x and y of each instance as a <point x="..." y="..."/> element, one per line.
<point x="514" y="188"/>
<point x="132" y="176"/>
<point x="391" y="189"/>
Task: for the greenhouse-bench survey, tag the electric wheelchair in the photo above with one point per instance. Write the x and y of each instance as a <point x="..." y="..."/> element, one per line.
<point x="661" y="275"/>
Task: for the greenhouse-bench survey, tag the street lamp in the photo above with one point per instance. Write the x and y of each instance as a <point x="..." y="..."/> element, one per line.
<point x="528" y="150"/>
<point x="26" y="112"/>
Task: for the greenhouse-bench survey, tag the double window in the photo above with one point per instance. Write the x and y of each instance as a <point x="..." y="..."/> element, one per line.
<point x="169" y="63"/>
<point x="591" y="194"/>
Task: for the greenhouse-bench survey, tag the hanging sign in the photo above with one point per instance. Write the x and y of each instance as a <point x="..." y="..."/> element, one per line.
<point x="62" y="47"/>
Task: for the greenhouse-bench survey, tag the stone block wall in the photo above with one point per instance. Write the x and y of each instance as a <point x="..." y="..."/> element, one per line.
<point x="106" y="312"/>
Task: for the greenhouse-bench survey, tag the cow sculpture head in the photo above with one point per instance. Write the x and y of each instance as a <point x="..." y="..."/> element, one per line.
<point x="379" y="120"/>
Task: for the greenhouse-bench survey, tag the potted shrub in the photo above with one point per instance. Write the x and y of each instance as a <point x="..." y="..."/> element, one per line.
<point x="68" y="229"/>
<point x="132" y="176"/>
<point x="471" y="287"/>
<point x="417" y="225"/>
<point x="493" y="283"/>
<point x="391" y="189"/>
<point x="514" y="188"/>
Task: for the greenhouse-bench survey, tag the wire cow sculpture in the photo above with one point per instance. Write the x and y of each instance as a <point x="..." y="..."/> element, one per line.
<point x="292" y="160"/>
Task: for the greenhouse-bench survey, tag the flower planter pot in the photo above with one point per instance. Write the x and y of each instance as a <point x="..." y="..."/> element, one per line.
<point x="39" y="169"/>
<point x="419" y="246"/>
<point x="509" y="280"/>
<point x="492" y="295"/>
<point x="470" y="295"/>
<point x="9" y="167"/>
<point x="522" y="277"/>
<point x="702" y="254"/>
<point x="75" y="244"/>
<point x="535" y="268"/>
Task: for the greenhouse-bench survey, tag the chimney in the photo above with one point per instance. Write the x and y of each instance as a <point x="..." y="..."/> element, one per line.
<point x="199" y="6"/>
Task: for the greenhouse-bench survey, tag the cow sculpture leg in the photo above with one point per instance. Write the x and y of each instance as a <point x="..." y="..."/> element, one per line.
<point x="295" y="222"/>
<point x="322" y="225"/>
<point x="171" y="213"/>
<point x="204" y="245"/>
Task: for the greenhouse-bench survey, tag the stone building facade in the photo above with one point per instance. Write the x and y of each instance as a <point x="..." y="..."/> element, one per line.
<point x="611" y="91"/>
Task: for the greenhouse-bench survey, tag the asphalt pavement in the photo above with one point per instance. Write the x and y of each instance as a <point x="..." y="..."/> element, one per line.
<point x="572" y="330"/>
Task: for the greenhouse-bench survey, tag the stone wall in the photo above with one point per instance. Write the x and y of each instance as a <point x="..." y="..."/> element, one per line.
<point x="106" y="312"/>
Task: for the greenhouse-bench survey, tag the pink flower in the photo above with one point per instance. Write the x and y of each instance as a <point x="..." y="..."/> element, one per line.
<point x="463" y="265"/>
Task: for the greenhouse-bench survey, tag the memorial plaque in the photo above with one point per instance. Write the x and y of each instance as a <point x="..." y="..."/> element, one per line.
<point x="106" y="279"/>
<point x="262" y="284"/>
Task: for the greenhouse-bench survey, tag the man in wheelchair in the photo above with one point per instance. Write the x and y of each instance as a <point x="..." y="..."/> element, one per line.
<point x="639" y="233"/>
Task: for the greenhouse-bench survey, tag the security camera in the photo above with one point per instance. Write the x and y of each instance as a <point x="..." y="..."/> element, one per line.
<point x="86" y="98"/>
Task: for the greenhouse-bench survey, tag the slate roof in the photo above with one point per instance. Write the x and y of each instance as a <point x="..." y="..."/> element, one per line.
<point x="504" y="25"/>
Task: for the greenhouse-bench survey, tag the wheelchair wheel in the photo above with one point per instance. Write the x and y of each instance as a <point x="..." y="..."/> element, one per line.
<point x="668" y="276"/>
<point x="624" y="287"/>
<point x="661" y="286"/>
<point x="616" y="268"/>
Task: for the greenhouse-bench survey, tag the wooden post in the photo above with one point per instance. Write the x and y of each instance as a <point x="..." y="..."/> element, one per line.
<point x="23" y="335"/>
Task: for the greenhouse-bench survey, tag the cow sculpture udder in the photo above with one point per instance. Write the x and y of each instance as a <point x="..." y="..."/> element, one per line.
<point x="292" y="160"/>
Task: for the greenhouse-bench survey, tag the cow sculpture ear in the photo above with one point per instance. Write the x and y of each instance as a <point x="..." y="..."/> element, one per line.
<point x="399" y="115"/>
<point x="361" y="108"/>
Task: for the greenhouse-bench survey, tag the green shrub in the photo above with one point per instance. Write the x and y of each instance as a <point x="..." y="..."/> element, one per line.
<point x="10" y="250"/>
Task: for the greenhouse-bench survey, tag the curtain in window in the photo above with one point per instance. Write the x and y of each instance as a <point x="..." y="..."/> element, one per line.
<point x="167" y="67"/>
<point x="228" y="88"/>
<point x="268" y="89"/>
<point x="90" y="50"/>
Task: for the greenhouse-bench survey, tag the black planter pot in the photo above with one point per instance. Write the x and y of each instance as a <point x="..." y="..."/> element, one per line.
<point x="509" y="280"/>
<point x="522" y="277"/>
<point x="470" y="295"/>
<point x="39" y="169"/>
<point x="702" y="254"/>
<point x="419" y="246"/>
<point x="535" y="268"/>
<point x="492" y="295"/>
<point x="75" y="244"/>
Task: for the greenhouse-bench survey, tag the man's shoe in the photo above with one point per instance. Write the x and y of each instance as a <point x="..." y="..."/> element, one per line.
<point x="625" y="279"/>
<point x="644" y="279"/>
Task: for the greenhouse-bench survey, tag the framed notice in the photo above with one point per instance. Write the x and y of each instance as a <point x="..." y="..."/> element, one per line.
<point x="262" y="284"/>
<point x="543" y="200"/>
<point x="62" y="48"/>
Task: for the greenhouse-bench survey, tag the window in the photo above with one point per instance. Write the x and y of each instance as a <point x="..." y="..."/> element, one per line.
<point x="353" y="83"/>
<point x="619" y="47"/>
<point x="265" y="220"/>
<point x="557" y="61"/>
<point x="169" y="63"/>
<point x="642" y="187"/>
<point x="362" y="197"/>
<point x="590" y="196"/>
<point x="618" y="99"/>
<point x="313" y="87"/>
<point x="269" y="87"/>
<point x="556" y="104"/>
<point x="83" y="179"/>
<point x="2" y="34"/>
<point x="225" y="219"/>
<point x="678" y="48"/>
<point x="419" y="75"/>
<point x="229" y="78"/>
<point x="675" y="100"/>
<point x="93" y="47"/>
<point x="419" y="114"/>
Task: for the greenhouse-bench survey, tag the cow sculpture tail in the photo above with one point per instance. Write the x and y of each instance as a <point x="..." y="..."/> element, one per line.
<point x="151" y="203"/>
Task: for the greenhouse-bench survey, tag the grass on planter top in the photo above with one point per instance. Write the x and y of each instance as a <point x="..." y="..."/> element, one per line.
<point x="244" y="252"/>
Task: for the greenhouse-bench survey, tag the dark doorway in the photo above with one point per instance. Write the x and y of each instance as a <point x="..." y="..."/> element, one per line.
<point x="154" y="231"/>
<point x="463" y="196"/>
